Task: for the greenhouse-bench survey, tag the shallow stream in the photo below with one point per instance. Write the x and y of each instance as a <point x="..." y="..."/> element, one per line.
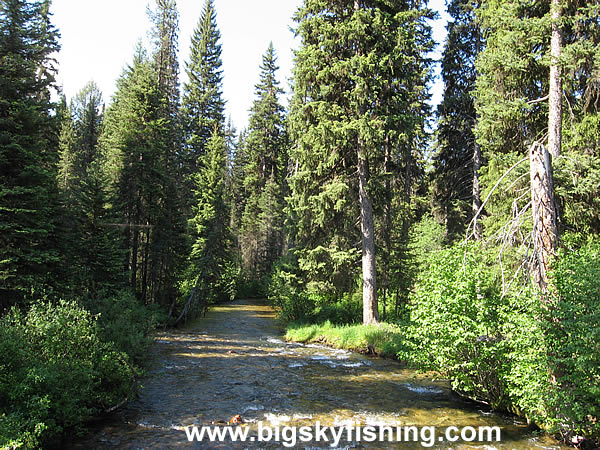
<point x="234" y="361"/>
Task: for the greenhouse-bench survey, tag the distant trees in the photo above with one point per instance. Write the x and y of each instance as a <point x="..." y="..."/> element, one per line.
<point x="86" y="224"/>
<point x="458" y="159"/>
<point x="264" y="176"/>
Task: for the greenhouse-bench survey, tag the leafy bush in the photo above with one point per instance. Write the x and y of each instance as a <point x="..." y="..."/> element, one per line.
<point x="572" y="330"/>
<point x="300" y="300"/>
<point x="125" y="322"/>
<point x="347" y="310"/>
<point x="455" y="325"/>
<point x="55" y="372"/>
<point x="535" y="354"/>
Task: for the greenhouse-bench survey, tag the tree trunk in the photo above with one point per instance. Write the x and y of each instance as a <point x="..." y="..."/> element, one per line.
<point x="370" y="311"/>
<point x="387" y="225"/>
<point x="555" y="94"/>
<point x="367" y="228"/>
<point x="545" y="233"/>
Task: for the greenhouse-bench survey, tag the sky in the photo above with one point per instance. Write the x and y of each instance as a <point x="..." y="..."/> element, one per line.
<point x="98" y="40"/>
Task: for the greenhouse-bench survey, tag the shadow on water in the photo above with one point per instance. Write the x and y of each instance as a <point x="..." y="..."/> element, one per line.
<point x="234" y="361"/>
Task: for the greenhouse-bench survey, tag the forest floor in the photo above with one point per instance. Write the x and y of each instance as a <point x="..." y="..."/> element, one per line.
<point x="235" y="361"/>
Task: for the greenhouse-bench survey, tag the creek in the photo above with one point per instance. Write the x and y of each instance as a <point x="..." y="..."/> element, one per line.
<point x="235" y="361"/>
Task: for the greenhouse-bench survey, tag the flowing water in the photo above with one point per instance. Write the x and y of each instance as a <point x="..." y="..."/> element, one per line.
<point x="235" y="362"/>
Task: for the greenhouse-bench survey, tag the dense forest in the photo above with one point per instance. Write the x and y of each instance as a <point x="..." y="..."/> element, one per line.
<point x="478" y="240"/>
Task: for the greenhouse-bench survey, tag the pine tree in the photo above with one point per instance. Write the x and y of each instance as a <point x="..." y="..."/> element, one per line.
<point x="92" y="264"/>
<point x="203" y="104"/>
<point x="458" y="158"/>
<point x="169" y="241"/>
<point x="238" y="194"/>
<point x="211" y="256"/>
<point x="81" y="126"/>
<point x="99" y="247"/>
<point x="261" y="237"/>
<point x="28" y="149"/>
<point x="88" y="111"/>
<point x="165" y="33"/>
<point x="359" y="83"/>
<point x="66" y="148"/>
<point x="513" y="107"/>
<point x="134" y="163"/>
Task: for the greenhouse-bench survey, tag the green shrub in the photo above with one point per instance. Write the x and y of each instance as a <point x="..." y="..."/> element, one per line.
<point x="125" y="322"/>
<point x="347" y="310"/>
<point x="538" y="355"/>
<point x="55" y="372"/>
<point x="572" y="329"/>
<point x="455" y="326"/>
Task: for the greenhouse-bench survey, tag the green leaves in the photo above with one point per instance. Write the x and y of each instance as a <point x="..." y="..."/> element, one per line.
<point x="55" y="372"/>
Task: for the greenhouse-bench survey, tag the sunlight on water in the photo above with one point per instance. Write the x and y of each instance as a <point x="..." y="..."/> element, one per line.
<point x="235" y="362"/>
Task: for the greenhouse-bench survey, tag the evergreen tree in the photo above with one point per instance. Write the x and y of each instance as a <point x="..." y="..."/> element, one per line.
<point x="513" y="109"/>
<point x="261" y="237"/>
<point x="88" y="111"/>
<point x="86" y="223"/>
<point x="169" y="247"/>
<point x="28" y="149"/>
<point x="359" y="84"/>
<point x="238" y="194"/>
<point x="66" y="148"/>
<point x="211" y="257"/>
<point x="203" y="104"/>
<point x="165" y="33"/>
<point x="134" y="163"/>
<point x="99" y="253"/>
<point x="458" y="159"/>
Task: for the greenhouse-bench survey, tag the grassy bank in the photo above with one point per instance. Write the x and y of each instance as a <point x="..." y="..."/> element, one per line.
<point x="384" y="339"/>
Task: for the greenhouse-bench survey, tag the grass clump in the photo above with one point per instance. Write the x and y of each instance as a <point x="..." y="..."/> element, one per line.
<point x="383" y="339"/>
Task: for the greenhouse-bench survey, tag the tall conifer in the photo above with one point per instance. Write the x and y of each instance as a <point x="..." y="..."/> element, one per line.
<point x="28" y="149"/>
<point x="458" y="159"/>
<point x="359" y="74"/>
<point x="211" y="257"/>
<point x="265" y="148"/>
<point x="203" y="104"/>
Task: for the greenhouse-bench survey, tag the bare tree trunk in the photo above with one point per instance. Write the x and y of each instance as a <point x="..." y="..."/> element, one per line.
<point x="370" y="309"/>
<point x="555" y="94"/>
<point x="387" y="225"/>
<point x="545" y="232"/>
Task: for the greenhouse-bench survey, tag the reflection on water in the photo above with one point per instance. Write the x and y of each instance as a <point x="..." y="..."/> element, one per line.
<point x="234" y="362"/>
